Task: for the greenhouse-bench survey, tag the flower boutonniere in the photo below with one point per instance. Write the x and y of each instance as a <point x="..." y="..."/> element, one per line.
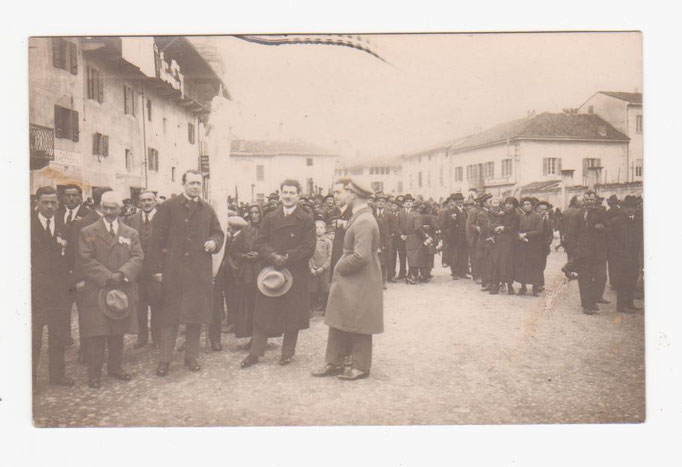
<point x="62" y="243"/>
<point x="124" y="241"/>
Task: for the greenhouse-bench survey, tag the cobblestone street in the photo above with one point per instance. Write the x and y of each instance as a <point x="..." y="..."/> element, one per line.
<point x="449" y="355"/>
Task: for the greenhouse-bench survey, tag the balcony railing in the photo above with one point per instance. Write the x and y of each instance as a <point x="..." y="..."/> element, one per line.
<point x="42" y="146"/>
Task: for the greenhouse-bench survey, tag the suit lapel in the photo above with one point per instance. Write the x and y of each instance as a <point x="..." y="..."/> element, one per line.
<point x="104" y="234"/>
<point x="355" y="216"/>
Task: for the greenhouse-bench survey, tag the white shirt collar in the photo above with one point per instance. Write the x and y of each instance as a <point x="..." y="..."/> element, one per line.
<point x="190" y="199"/>
<point x="114" y="224"/>
<point x="287" y="210"/>
<point x="358" y="207"/>
<point x="68" y="212"/>
<point x="151" y="214"/>
<point x="43" y="221"/>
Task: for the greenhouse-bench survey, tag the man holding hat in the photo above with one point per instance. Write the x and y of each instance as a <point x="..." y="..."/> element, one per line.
<point x="110" y="257"/>
<point x="355" y="306"/>
<point x="408" y="243"/>
<point x="285" y="243"/>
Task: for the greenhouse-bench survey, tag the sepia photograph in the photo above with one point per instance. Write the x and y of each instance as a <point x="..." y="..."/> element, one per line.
<point x="336" y="229"/>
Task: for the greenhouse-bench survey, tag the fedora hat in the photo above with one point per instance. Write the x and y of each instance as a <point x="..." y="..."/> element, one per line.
<point x="114" y="301"/>
<point x="274" y="282"/>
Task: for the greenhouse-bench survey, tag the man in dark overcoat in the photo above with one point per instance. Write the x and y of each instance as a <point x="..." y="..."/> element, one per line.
<point x="185" y="234"/>
<point x="109" y="254"/>
<point x="612" y="213"/>
<point x="584" y="236"/>
<point x="355" y="307"/>
<point x="455" y="229"/>
<point x="387" y="232"/>
<point x="50" y="300"/>
<point x="286" y="239"/>
<point x="472" y="236"/>
<point x="148" y="296"/>
<point x="626" y="235"/>
<point x="407" y="225"/>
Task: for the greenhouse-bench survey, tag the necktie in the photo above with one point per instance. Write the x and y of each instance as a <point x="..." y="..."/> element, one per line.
<point x="146" y="218"/>
<point x="70" y="218"/>
<point x="111" y="230"/>
<point x="47" y="226"/>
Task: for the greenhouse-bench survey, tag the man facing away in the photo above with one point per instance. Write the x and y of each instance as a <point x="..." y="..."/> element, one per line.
<point x="355" y="307"/>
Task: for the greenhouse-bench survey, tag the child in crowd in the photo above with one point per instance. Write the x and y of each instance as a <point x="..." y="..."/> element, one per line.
<point x="319" y="269"/>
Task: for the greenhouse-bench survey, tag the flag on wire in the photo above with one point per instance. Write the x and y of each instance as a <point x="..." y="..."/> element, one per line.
<point x="341" y="40"/>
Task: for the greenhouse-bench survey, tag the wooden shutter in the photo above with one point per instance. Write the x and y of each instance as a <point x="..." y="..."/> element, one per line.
<point x="105" y="145"/>
<point x="58" y="50"/>
<point x="73" y="58"/>
<point x="125" y="99"/>
<point x="95" y="143"/>
<point x="558" y="166"/>
<point x="74" y="125"/>
<point x="100" y="87"/>
<point x="544" y="165"/>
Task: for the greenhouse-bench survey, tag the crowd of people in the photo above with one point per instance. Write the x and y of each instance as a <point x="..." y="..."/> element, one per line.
<point x="146" y="268"/>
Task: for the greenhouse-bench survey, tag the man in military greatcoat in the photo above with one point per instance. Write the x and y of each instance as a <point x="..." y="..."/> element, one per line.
<point x="185" y="234"/>
<point x="626" y="241"/>
<point x="355" y="306"/>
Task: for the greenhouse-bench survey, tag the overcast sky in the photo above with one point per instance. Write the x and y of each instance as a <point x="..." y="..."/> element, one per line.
<point x="434" y="88"/>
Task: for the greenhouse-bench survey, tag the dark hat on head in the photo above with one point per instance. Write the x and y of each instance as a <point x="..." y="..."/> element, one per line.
<point x="511" y="200"/>
<point x="274" y="282"/>
<point x="114" y="301"/>
<point x="408" y="197"/>
<point x="380" y="195"/>
<point x="483" y="197"/>
<point x="630" y="201"/>
<point x="456" y="196"/>
<point x="613" y="199"/>
<point x="329" y="196"/>
<point x="545" y="203"/>
<point x="530" y="199"/>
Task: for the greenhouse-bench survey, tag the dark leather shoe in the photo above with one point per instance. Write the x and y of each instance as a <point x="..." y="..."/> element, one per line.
<point x="510" y="290"/>
<point x="625" y="310"/>
<point x="162" y="369"/>
<point x="121" y="375"/>
<point x="94" y="384"/>
<point x="63" y="381"/>
<point x="391" y="280"/>
<point x="635" y="308"/>
<point x="588" y="311"/>
<point x="522" y="291"/>
<point x="248" y="361"/>
<point x="216" y="346"/>
<point x="328" y="370"/>
<point x="192" y="365"/>
<point x="353" y="374"/>
<point x="285" y="360"/>
<point x="604" y="301"/>
<point x="594" y="307"/>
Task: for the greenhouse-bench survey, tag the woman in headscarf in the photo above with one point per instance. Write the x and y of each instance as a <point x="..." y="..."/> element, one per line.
<point x="529" y="249"/>
<point x="245" y="265"/>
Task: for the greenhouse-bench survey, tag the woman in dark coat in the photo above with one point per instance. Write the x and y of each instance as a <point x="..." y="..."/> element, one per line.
<point x="529" y="249"/>
<point x="425" y="229"/>
<point x="505" y="231"/>
<point x="245" y="265"/>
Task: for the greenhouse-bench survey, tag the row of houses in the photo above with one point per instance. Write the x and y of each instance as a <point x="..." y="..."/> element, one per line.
<point x="597" y="145"/>
<point x="125" y="112"/>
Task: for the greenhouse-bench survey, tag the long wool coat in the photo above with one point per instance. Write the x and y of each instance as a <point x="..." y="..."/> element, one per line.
<point x="99" y="257"/>
<point x="179" y="230"/>
<point x="292" y="235"/>
<point x="503" y="249"/>
<point x="528" y="256"/>
<point x="356" y="300"/>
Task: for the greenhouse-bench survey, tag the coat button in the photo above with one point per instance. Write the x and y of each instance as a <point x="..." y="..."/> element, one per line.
<point x="186" y="220"/>
<point x="292" y="235"/>
<point x="186" y="253"/>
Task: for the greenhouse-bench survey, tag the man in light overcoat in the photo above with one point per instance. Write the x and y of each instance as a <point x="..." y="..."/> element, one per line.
<point x="355" y="310"/>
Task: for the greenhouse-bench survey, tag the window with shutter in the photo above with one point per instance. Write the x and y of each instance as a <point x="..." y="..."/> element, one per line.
<point x="73" y="58"/>
<point x="74" y="125"/>
<point x="59" y="128"/>
<point x="59" y="52"/>
<point x="190" y="133"/>
<point x="545" y="161"/>
<point x="100" y="87"/>
<point x="95" y="144"/>
<point x="105" y="145"/>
